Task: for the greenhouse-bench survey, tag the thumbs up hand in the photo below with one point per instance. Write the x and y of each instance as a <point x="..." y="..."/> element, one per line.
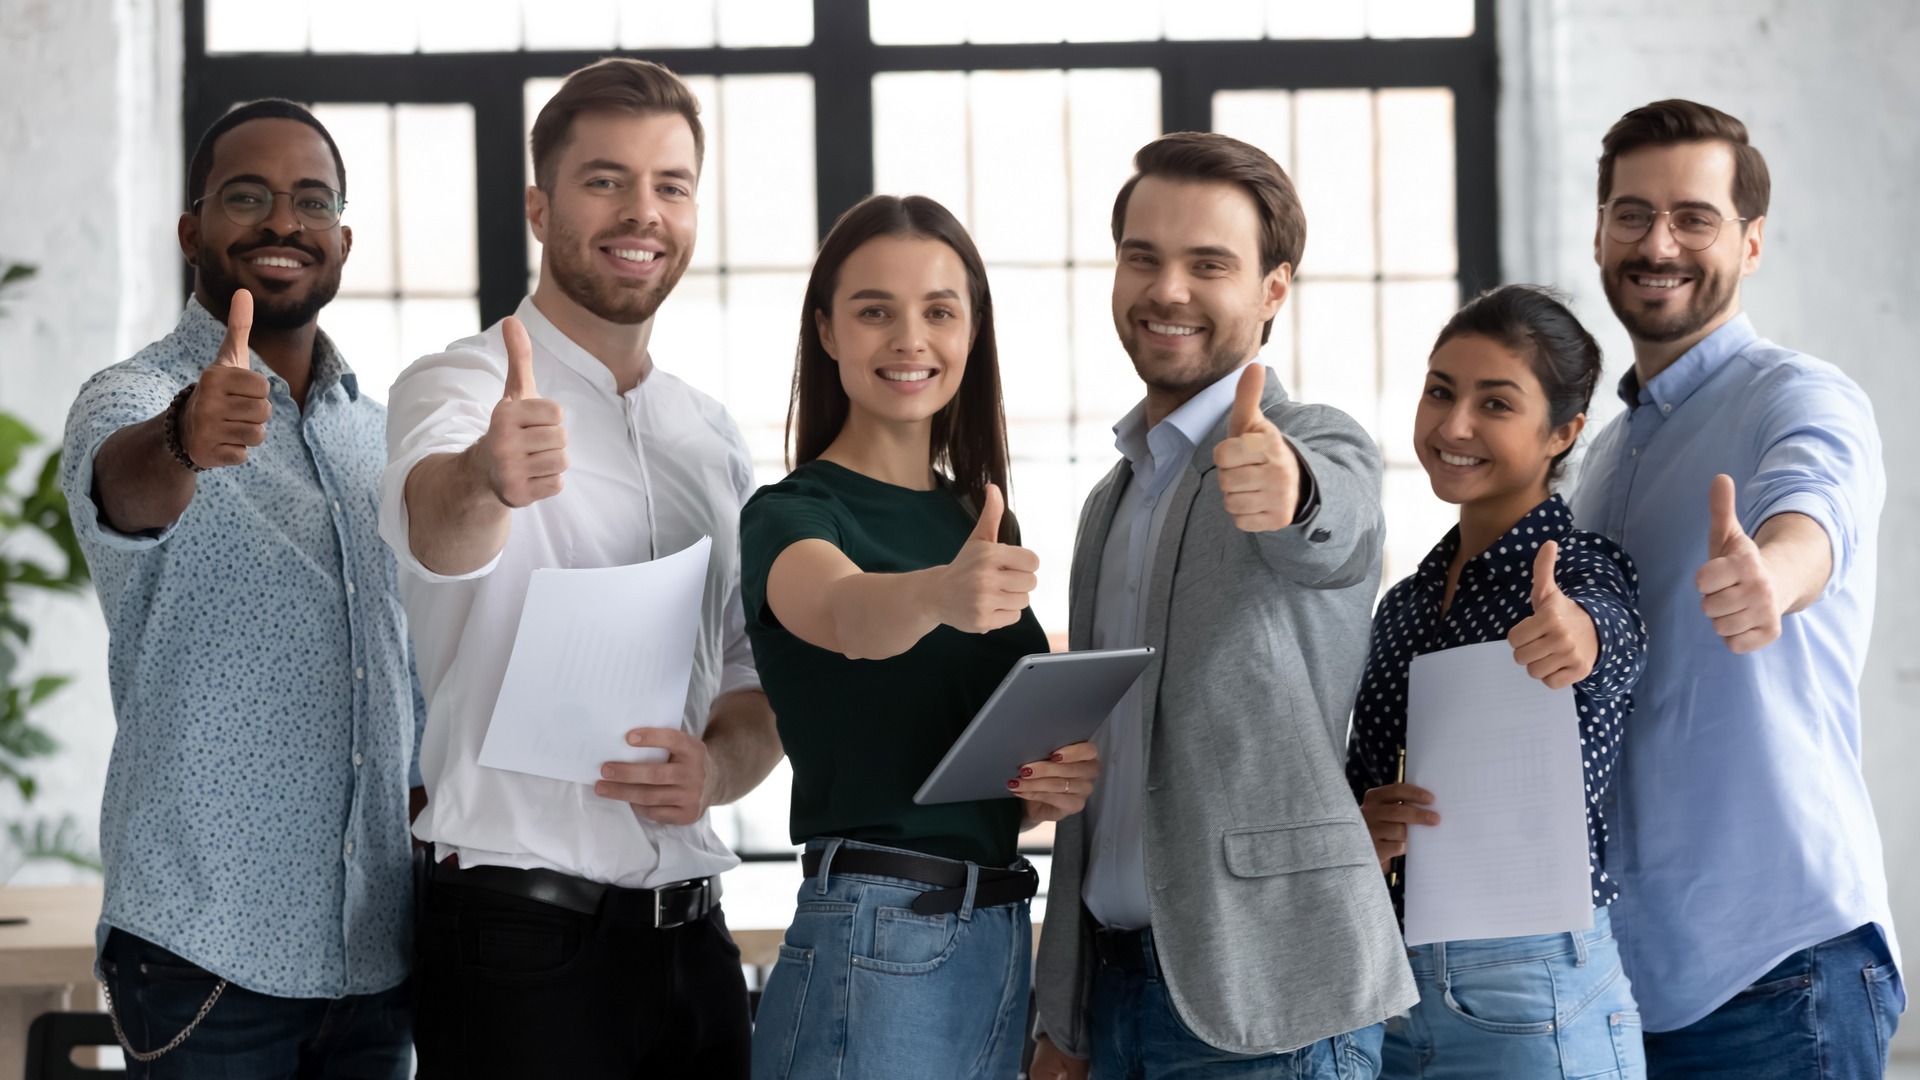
<point x="228" y="409"/>
<point x="987" y="584"/>
<point x="1737" y="589"/>
<point x="525" y="448"/>
<point x="1259" y="473"/>
<point x="1557" y="642"/>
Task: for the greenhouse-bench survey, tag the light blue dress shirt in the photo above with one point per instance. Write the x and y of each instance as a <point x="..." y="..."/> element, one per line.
<point x="255" y="819"/>
<point x="1744" y="832"/>
<point x="1116" y="884"/>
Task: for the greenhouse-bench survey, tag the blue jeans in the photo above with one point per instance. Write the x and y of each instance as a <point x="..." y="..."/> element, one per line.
<point x="1137" y="1035"/>
<point x="866" y="987"/>
<point x="1824" y="1013"/>
<point x="1522" y="1008"/>
<point x="249" y="1036"/>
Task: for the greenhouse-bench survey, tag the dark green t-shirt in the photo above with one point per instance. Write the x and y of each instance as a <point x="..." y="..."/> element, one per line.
<point x="862" y="735"/>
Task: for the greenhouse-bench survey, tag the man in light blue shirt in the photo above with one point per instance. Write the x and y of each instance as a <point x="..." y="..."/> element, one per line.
<point x="1746" y="481"/>
<point x="225" y="486"/>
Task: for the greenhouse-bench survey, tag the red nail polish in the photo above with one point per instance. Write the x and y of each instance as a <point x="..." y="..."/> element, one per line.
<point x="1013" y="785"/>
<point x="1024" y="771"/>
<point x="1059" y="757"/>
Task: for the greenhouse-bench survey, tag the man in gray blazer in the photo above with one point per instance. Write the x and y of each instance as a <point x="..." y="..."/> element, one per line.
<point x="1218" y="910"/>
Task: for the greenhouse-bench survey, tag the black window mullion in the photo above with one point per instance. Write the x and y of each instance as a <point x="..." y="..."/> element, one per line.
<point x="843" y="108"/>
<point x="499" y="179"/>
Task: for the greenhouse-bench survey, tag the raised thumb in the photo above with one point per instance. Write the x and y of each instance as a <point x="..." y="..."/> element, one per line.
<point x="1725" y="531"/>
<point x="1544" y="587"/>
<point x="519" y="361"/>
<point x="1246" y="417"/>
<point x="992" y="505"/>
<point x="233" y="350"/>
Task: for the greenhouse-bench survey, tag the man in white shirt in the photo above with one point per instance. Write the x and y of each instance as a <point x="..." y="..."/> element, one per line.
<point x="568" y="930"/>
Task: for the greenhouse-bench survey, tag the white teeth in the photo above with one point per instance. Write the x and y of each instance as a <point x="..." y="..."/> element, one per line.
<point x="276" y="260"/>
<point x="1660" y="282"/>
<point x="1169" y="328"/>
<point x="907" y="376"/>
<point x="1456" y="459"/>
<point x="634" y="254"/>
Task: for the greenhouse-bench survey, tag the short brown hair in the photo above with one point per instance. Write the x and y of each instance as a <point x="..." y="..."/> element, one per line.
<point x="1207" y="155"/>
<point x="1665" y="123"/>
<point x="616" y="84"/>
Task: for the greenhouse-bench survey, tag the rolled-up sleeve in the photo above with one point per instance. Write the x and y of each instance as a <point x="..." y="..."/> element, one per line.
<point x="1819" y="454"/>
<point x="442" y="404"/>
<point x="124" y="394"/>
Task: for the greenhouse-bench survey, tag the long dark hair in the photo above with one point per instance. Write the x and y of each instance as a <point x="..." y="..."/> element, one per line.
<point x="1533" y="322"/>
<point x="969" y="442"/>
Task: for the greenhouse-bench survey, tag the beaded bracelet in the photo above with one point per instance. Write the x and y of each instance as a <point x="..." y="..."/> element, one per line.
<point x="171" y="425"/>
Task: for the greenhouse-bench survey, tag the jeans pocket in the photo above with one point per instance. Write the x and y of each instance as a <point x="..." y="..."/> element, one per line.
<point x="1883" y="1004"/>
<point x="1627" y="1048"/>
<point x="1504" y="999"/>
<point x="776" y="1027"/>
<point x="906" y="942"/>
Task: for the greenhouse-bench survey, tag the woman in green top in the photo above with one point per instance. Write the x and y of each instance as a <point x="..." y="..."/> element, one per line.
<point x="883" y="611"/>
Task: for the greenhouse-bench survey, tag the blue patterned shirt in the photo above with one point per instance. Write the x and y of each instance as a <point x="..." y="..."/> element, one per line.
<point x="255" y="819"/>
<point x="1494" y="594"/>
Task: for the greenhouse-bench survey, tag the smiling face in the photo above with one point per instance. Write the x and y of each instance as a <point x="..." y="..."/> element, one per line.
<point x="291" y="271"/>
<point x="1189" y="298"/>
<point x="618" y="227"/>
<point x="901" y="327"/>
<point x="1482" y="430"/>
<point x="1662" y="292"/>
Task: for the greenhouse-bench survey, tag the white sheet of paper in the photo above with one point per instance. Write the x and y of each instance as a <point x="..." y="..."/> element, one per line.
<point x="1501" y="754"/>
<point x="598" y="652"/>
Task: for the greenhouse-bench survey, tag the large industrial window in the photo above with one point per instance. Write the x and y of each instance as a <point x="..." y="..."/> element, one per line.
<point x="1021" y="116"/>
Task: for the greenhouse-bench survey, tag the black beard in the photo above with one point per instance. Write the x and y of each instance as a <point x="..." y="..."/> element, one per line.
<point x="623" y="305"/>
<point x="271" y="310"/>
<point x="1711" y="295"/>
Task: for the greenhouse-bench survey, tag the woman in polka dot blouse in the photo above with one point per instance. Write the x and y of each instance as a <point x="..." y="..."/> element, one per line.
<point x="1506" y="394"/>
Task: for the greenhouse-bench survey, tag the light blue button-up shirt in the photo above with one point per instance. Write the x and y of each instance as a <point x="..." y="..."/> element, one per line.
<point x="1744" y="832"/>
<point x="1115" y="890"/>
<point x="255" y="819"/>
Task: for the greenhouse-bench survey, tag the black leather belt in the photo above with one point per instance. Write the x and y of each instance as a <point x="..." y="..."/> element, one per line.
<point x="670" y="905"/>
<point x="1125" y="950"/>
<point x="947" y="876"/>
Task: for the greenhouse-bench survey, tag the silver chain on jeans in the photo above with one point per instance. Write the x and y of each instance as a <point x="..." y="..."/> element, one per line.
<point x="149" y="1055"/>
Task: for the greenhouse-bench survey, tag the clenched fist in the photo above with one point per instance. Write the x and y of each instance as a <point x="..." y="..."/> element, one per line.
<point x="1737" y="589"/>
<point x="1557" y="642"/>
<point x="988" y="584"/>
<point x="524" y="451"/>
<point x="228" y="409"/>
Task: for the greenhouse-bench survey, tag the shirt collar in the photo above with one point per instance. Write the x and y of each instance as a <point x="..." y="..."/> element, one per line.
<point x="1513" y="553"/>
<point x="1188" y="424"/>
<point x="564" y="349"/>
<point x="203" y="334"/>
<point x="1685" y="375"/>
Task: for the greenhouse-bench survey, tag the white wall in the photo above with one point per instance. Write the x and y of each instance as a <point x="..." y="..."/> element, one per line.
<point x="90" y="133"/>
<point x="1830" y="95"/>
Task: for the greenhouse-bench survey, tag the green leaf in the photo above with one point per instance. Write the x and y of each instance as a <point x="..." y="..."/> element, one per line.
<point x="15" y="437"/>
<point x="16" y="273"/>
<point x="46" y="686"/>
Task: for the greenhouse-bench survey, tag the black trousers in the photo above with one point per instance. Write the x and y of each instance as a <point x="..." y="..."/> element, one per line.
<point x="510" y="987"/>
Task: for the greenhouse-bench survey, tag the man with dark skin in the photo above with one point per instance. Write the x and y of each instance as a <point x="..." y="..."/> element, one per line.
<point x="256" y="918"/>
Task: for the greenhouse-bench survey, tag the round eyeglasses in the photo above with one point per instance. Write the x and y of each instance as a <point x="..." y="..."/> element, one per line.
<point x="247" y="203"/>
<point x="1694" y="228"/>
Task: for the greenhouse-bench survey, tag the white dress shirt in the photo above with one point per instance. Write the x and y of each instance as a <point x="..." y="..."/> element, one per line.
<point x="1116" y="883"/>
<point x="650" y="472"/>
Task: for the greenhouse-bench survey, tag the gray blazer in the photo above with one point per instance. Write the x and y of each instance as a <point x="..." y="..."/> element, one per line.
<point x="1270" y="915"/>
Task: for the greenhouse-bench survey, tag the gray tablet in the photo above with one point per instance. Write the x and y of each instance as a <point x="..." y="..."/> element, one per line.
<point x="1047" y="701"/>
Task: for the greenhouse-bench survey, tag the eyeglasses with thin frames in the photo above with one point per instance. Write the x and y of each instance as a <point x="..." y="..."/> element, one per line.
<point x="1694" y="228"/>
<point x="247" y="204"/>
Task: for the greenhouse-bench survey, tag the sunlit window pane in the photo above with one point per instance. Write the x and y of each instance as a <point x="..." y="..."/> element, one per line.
<point x="243" y="26"/>
<point x="1334" y="149"/>
<point x="1114" y="20"/>
<point x="771" y="216"/>
<point x="1338" y="359"/>
<point x="1019" y="141"/>
<point x="1419" y="18"/>
<point x="366" y="26"/>
<point x="366" y="330"/>
<point x="754" y="23"/>
<point x="1104" y="385"/>
<point x="1316" y="18"/>
<point x="364" y="134"/>
<point x="650" y="24"/>
<point x="1279" y="353"/>
<point x="1416" y="520"/>
<point x="436" y="198"/>
<point x="1416" y="182"/>
<point x="469" y="25"/>
<point x="1110" y="115"/>
<point x="427" y="326"/>
<point x="1215" y="20"/>
<point x="920" y="137"/>
<point x="762" y="318"/>
<point x="1047" y="502"/>
<point x="997" y="21"/>
<point x="915" y="22"/>
<point x="711" y="192"/>
<point x="572" y="24"/>
<point x="1261" y="117"/>
<point x="1411" y="315"/>
<point x="1035" y="380"/>
<point x="689" y="334"/>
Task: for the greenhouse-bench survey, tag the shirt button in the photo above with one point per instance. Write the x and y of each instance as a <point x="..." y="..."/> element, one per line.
<point x="349" y="847"/>
<point x="356" y="759"/>
<point x="336" y="505"/>
<point x="359" y="673"/>
<point x="1666" y="408"/>
<point x="1635" y="452"/>
<point x="349" y="588"/>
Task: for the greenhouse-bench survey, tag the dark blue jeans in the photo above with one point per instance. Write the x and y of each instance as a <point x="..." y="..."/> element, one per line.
<point x="249" y="1036"/>
<point x="1825" y="1013"/>
<point x="1138" y="1036"/>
